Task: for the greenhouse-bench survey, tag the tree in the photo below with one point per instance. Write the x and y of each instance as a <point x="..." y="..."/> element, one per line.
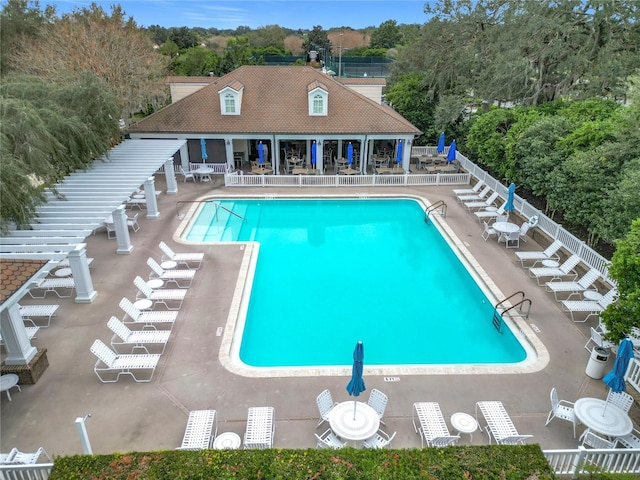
<point x="316" y="39"/>
<point x="236" y="54"/>
<point x="111" y="47"/>
<point x="183" y="37"/>
<point x="269" y="36"/>
<point x="196" y="61"/>
<point x="622" y="316"/>
<point x="387" y="35"/>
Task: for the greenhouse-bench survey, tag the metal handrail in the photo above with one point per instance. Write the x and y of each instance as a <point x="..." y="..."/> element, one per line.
<point x="431" y="208"/>
<point x="520" y="304"/>
<point x="207" y="201"/>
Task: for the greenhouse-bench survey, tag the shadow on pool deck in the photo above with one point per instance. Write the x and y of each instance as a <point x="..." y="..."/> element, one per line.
<point x="130" y="416"/>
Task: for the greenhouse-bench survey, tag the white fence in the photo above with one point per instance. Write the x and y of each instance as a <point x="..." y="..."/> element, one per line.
<point x="633" y="374"/>
<point x="584" y="461"/>
<point x="39" y="471"/>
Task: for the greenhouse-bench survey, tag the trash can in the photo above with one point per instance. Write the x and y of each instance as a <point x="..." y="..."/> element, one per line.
<point x="597" y="362"/>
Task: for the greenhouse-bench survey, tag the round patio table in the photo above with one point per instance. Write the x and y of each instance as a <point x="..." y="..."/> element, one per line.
<point x="8" y="381"/>
<point x="610" y="421"/>
<point x="343" y="423"/>
<point x="505" y="227"/>
<point x="227" y="441"/>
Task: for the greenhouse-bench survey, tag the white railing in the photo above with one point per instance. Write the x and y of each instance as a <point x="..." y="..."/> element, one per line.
<point x="38" y="471"/>
<point x="218" y="168"/>
<point x="583" y="461"/>
<point x="633" y="374"/>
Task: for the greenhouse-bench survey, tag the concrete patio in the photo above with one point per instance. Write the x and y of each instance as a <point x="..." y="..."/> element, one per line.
<point x="130" y="416"/>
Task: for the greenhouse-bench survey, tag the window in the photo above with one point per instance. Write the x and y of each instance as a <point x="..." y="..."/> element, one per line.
<point x="229" y="103"/>
<point x="318" y="104"/>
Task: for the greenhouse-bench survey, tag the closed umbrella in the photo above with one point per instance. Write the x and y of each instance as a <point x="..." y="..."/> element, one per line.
<point x="260" y="154"/>
<point x="203" y="149"/>
<point x="451" y="156"/>
<point x="356" y="385"/>
<point x="399" y="154"/>
<point x="441" y="143"/>
<point x="509" y="206"/>
<point x="349" y="154"/>
<point x="313" y="154"/>
<point x="615" y="378"/>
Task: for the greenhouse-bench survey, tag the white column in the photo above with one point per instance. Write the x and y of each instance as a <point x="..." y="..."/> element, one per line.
<point x="319" y="156"/>
<point x="150" y="196"/>
<point x="170" y="177"/>
<point x="16" y="342"/>
<point x="406" y="154"/>
<point x="184" y="157"/>
<point x="81" y="274"/>
<point x="228" y="150"/>
<point x="122" y="231"/>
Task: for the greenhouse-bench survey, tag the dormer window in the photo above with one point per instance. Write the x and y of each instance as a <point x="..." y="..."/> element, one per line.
<point x="231" y="98"/>
<point x="318" y="99"/>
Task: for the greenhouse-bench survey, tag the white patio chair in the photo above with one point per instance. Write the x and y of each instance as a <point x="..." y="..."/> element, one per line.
<point x="260" y="428"/>
<point x="29" y="312"/>
<point x="469" y="191"/>
<point x="589" y="307"/>
<point x="378" y="401"/>
<point x="591" y="439"/>
<point x="475" y="197"/>
<point x="574" y="288"/>
<point x="550" y="253"/>
<point x="181" y="278"/>
<point x="512" y="239"/>
<point x="171" y="298"/>
<point x="562" y="409"/>
<point x="148" y="318"/>
<point x="28" y="458"/>
<point x="186" y="259"/>
<point x="111" y="362"/>
<point x="328" y="439"/>
<point x="524" y="228"/>
<point x="380" y="440"/>
<point x="564" y="270"/>
<point x="122" y="335"/>
<point x="632" y="440"/>
<point x="111" y="230"/>
<point x="622" y="400"/>
<point x="488" y="232"/>
<point x="489" y="214"/>
<point x="325" y="405"/>
<point x="132" y="222"/>
<point x="478" y="205"/>
<point x="597" y="340"/>
<point x="431" y="426"/>
<point x="186" y="174"/>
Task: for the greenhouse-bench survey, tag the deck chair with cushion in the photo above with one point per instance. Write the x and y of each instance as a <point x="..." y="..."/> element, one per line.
<point x="325" y="405"/>
<point x="562" y="409"/>
<point x="480" y="204"/>
<point x="328" y="439"/>
<point x="550" y="253"/>
<point x="431" y="426"/>
<point x="181" y="278"/>
<point x="574" y="288"/>
<point x="31" y="312"/>
<point x="564" y="270"/>
<point x="469" y="191"/>
<point x="171" y="298"/>
<point x="589" y="307"/>
<point x="188" y="259"/>
<point x="380" y="440"/>
<point x="475" y="197"/>
<point x="147" y="318"/>
<point x="111" y="362"/>
<point x="122" y="335"/>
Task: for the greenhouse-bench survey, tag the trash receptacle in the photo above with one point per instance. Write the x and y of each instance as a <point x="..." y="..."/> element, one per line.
<point x="597" y="362"/>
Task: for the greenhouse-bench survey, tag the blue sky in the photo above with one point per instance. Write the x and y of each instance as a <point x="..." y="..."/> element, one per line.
<point x="230" y="14"/>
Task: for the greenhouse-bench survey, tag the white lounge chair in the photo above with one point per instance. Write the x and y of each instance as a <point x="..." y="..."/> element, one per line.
<point x="431" y="426"/>
<point x="171" y="298"/>
<point x="325" y="405"/>
<point x="260" y="428"/>
<point x="469" y="191"/>
<point x="122" y="335"/>
<point x="574" y="288"/>
<point x="15" y="456"/>
<point x="380" y="440"/>
<point x="201" y="430"/>
<point x="589" y="307"/>
<point x="550" y="253"/>
<point x="480" y="204"/>
<point x="111" y="362"/>
<point x="475" y="198"/>
<point x="562" y="409"/>
<point x="328" y="439"/>
<point x="54" y="285"/>
<point x="148" y="318"/>
<point x="31" y="333"/>
<point x="182" y="278"/>
<point x="378" y="401"/>
<point x="498" y="424"/>
<point x="566" y="269"/>
<point x="29" y="312"/>
<point x="188" y="259"/>
<point x="597" y="340"/>
<point x="489" y="214"/>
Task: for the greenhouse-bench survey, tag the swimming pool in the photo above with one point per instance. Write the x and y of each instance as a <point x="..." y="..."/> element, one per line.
<point x="331" y="272"/>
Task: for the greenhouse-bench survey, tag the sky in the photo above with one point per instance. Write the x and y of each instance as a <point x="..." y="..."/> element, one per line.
<point x="230" y="14"/>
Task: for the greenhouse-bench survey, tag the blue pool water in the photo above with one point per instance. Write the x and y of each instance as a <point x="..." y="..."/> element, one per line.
<point x="331" y="272"/>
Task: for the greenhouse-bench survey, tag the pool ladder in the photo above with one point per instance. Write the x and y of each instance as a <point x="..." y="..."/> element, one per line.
<point x="432" y="208"/>
<point x="497" y="316"/>
<point x="218" y="206"/>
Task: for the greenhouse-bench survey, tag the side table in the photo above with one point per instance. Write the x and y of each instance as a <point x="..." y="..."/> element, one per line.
<point x="168" y="265"/>
<point x="464" y="423"/>
<point x="227" y="441"/>
<point x="143" y="304"/>
<point x="155" y="283"/>
<point x="8" y="381"/>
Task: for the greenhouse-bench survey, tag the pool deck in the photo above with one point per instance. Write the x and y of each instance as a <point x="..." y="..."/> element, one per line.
<point x="152" y="416"/>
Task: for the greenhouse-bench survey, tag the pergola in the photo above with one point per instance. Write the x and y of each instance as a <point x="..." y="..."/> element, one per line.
<point x="75" y="208"/>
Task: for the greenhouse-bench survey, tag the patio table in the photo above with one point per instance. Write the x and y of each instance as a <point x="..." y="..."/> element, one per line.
<point x="612" y="421"/>
<point x="364" y="425"/>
